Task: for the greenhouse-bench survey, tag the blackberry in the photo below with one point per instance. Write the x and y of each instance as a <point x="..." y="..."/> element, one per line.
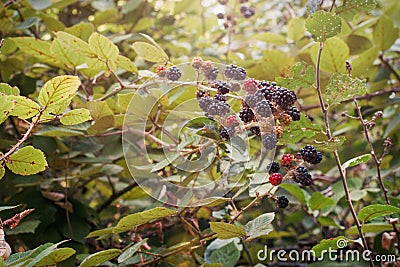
<point x="212" y="74"/>
<point x="235" y="87"/>
<point x="255" y="130"/>
<point x="283" y="97"/>
<point x="294" y="113"/>
<point x="282" y="202"/>
<point x="263" y="108"/>
<point x="205" y="103"/>
<point x="243" y="9"/>
<point x="250" y="86"/>
<point x="222" y="87"/>
<point x="302" y="176"/>
<point x="218" y="108"/>
<point x="268" y="93"/>
<point x="273" y="167"/>
<point x="269" y="141"/>
<point x="263" y="84"/>
<point x="174" y="73"/>
<point x="200" y="94"/>
<point x="197" y="62"/>
<point x="226" y="133"/>
<point x="275" y="179"/>
<point x="278" y="131"/>
<point x="235" y="73"/>
<point x="287" y="160"/>
<point x="220" y="97"/>
<point x="161" y="71"/>
<point x="309" y="154"/>
<point x="285" y="119"/>
<point x="246" y="115"/>
<point x="220" y="15"/>
<point x="207" y="66"/>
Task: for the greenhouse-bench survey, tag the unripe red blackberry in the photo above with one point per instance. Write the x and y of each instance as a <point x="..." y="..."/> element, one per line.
<point x="273" y="167"/>
<point x="282" y="202"/>
<point x="287" y="159"/>
<point x="197" y="63"/>
<point x="232" y="120"/>
<point x="250" y="86"/>
<point x="275" y="179"/>
<point x="174" y="73"/>
<point x="161" y="71"/>
<point x="207" y="66"/>
<point x="246" y="114"/>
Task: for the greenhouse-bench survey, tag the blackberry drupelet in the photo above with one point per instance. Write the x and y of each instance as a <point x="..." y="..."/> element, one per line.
<point x="263" y="108"/>
<point x="273" y="167"/>
<point x="294" y="113"/>
<point x="283" y="97"/>
<point x="302" y="176"/>
<point x="174" y="73"/>
<point x="246" y="114"/>
<point x="255" y="130"/>
<point x="282" y="202"/>
<point x="269" y="141"/>
<point x="222" y="87"/>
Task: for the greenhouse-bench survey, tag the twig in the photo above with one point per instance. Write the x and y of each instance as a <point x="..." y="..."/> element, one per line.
<point x="66" y="191"/>
<point x="115" y="196"/>
<point x="387" y="64"/>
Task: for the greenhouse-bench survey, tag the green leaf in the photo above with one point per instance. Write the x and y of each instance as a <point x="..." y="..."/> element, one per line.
<point x="362" y="63"/>
<point x="126" y="64"/>
<point x="57" y="131"/>
<point x="59" y="91"/>
<point x="106" y="231"/>
<point x="44" y="253"/>
<point x="331" y="244"/>
<point x="227" y="255"/>
<point x="355" y="161"/>
<point x="341" y="87"/>
<point x="323" y="25"/>
<point x="370" y="228"/>
<point x="100" y="257"/>
<point x="75" y="116"/>
<point x="26" y="161"/>
<point x="103" y="47"/>
<point x="8" y="90"/>
<point x="329" y="221"/>
<point x="303" y="77"/>
<point x="6" y="107"/>
<point x="25" y="227"/>
<point x="350" y="8"/>
<point x="129" y="252"/>
<point x="296" y="28"/>
<point x="318" y="201"/>
<point x="39" y="4"/>
<point x="376" y="210"/>
<point x="75" y="44"/>
<point x="384" y="33"/>
<point x="299" y="130"/>
<point x="82" y="30"/>
<point x="62" y="52"/>
<point x="25" y="108"/>
<point x="131" y="221"/>
<point x="58" y="255"/>
<point x="150" y="52"/>
<point x="296" y="191"/>
<point x="227" y="230"/>
<point x="260" y="226"/>
<point x="334" y="55"/>
<point x="2" y="170"/>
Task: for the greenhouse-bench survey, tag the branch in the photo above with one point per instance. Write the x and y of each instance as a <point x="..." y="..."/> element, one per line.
<point x="387" y="64"/>
<point x="115" y="196"/>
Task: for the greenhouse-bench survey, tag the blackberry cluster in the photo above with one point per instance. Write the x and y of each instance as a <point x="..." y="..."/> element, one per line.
<point x="282" y="202"/>
<point x="246" y="114"/>
<point x="174" y="73"/>
<point x="235" y="73"/>
<point x="302" y="176"/>
<point x="222" y="87"/>
<point x="311" y="155"/>
<point x="273" y="167"/>
<point x="283" y="97"/>
<point x="269" y="141"/>
<point x="294" y="113"/>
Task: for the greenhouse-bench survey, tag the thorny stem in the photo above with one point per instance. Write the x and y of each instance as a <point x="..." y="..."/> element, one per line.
<point x="336" y="154"/>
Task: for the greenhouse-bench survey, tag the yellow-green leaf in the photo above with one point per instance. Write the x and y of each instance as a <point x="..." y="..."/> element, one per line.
<point x="27" y="161"/>
<point x="76" y="116"/>
<point x="334" y="55"/>
<point x="126" y="64"/>
<point x="2" y="170"/>
<point x="62" y="53"/>
<point x="25" y="108"/>
<point x="75" y="45"/>
<point x="227" y="230"/>
<point x="103" y="47"/>
<point x="150" y="52"/>
<point x="58" y="92"/>
<point x="342" y="87"/>
<point x="100" y="257"/>
<point x="56" y="256"/>
<point x="350" y="8"/>
<point x="376" y="210"/>
<point x="8" y="90"/>
<point x="131" y="221"/>
<point x="384" y="34"/>
<point x="296" y="28"/>
<point x="323" y="25"/>
<point x="82" y="30"/>
<point x="6" y="106"/>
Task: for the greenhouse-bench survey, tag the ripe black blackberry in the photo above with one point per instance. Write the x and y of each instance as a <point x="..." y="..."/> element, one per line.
<point x="264" y="108"/>
<point x="273" y="167"/>
<point x="200" y="94"/>
<point x="205" y="103"/>
<point x="255" y="130"/>
<point x="294" y="113"/>
<point x="251" y="100"/>
<point x="212" y="74"/>
<point x="310" y="154"/>
<point x="235" y="73"/>
<point x="246" y="114"/>
<point x="218" y="108"/>
<point x="174" y="73"/>
<point x="282" y="202"/>
<point x="263" y="84"/>
<point x="283" y="97"/>
<point x="302" y="176"/>
<point x="269" y="141"/>
<point x="226" y="133"/>
<point x="222" y="87"/>
<point x="220" y="97"/>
